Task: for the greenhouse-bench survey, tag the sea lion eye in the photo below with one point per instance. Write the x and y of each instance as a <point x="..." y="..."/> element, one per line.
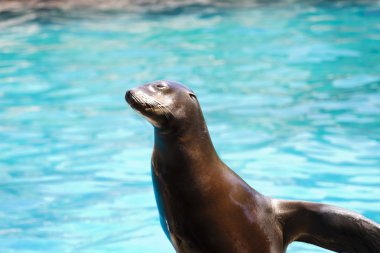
<point x="161" y="86"/>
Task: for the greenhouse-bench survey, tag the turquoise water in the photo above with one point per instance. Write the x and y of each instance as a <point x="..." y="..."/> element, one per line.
<point x="290" y="92"/>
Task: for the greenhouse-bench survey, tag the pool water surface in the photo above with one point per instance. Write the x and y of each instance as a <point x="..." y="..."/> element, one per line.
<point x="290" y="92"/>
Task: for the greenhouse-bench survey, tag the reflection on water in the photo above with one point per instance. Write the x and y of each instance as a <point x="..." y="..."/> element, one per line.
<point x="291" y="94"/>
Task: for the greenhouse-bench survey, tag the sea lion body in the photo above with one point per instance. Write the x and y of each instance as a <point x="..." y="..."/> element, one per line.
<point x="235" y="227"/>
<point x="205" y="207"/>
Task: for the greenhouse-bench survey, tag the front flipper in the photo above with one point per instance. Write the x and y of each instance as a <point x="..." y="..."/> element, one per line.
<point x="327" y="226"/>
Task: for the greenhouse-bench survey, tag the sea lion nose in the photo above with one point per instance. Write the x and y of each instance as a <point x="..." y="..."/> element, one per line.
<point x="127" y="95"/>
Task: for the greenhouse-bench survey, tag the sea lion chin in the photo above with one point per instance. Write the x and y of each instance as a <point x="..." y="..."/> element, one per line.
<point x="205" y="207"/>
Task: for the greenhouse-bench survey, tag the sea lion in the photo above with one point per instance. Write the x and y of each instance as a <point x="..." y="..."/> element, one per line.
<point x="206" y="208"/>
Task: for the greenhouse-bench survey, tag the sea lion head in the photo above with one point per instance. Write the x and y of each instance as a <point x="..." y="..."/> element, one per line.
<point x="165" y="104"/>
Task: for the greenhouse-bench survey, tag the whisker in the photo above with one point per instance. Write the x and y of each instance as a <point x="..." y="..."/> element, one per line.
<point x="152" y="103"/>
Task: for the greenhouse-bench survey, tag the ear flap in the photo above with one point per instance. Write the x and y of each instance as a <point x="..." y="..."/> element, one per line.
<point x="193" y="96"/>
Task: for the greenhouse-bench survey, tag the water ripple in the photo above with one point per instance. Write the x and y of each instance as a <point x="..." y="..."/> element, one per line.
<point x="291" y="97"/>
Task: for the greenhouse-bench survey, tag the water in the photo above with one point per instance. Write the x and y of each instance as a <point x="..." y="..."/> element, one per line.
<point x="290" y="92"/>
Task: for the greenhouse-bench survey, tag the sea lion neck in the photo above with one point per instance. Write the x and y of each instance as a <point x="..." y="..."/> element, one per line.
<point x="191" y="142"/>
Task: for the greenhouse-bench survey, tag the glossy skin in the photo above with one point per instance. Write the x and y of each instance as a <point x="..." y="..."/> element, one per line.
<point x="205" y="207"/>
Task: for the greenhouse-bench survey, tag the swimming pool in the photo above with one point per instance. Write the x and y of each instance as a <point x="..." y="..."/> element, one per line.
<point x="290" y="92"/>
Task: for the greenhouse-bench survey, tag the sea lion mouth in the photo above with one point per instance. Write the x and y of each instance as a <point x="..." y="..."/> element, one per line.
<point x="132" y="100"/>
<point x="145" y="104"/>
<point x="136" y="103"/>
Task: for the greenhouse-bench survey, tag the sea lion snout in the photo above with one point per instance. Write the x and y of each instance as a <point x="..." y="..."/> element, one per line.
<point x="128" y="96"/>
<point x="132" y="98"/>
<point x="151" y="101"/>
